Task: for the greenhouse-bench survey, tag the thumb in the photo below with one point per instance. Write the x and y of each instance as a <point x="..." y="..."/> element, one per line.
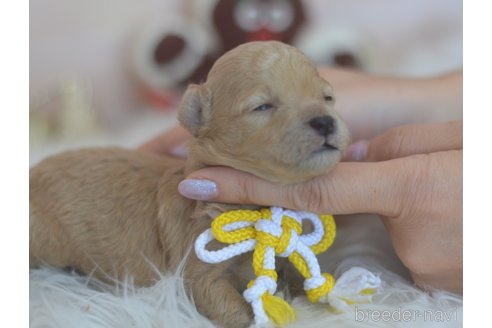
<point x="349" y="188"/>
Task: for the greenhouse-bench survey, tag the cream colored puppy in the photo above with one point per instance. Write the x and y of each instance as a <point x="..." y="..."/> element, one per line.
<point x="264" y="109"/>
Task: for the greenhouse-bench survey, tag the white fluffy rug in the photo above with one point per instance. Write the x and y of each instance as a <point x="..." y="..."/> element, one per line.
<point x="65" y="300"/>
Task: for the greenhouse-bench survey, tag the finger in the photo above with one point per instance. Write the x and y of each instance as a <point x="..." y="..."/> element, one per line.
<point x="170" y="142"/>
<point x="349" y="188"/>
<point x="408" y="140"/>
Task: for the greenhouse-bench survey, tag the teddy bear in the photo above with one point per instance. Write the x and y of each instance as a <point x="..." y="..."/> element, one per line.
<point x="174" y="51"/>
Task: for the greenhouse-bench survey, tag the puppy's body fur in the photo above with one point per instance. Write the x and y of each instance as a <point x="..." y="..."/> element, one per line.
<point x="108" y="204"/>
<point x="112" y="211"/>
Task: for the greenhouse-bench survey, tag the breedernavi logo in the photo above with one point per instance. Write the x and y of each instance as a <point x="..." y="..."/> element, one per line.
<point x="404" y="315"/>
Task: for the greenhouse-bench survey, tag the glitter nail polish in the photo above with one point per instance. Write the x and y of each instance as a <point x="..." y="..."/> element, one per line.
<point x="198" y="189"/>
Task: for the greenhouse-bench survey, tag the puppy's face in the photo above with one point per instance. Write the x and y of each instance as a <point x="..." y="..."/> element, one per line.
<point x="265" y="110"/>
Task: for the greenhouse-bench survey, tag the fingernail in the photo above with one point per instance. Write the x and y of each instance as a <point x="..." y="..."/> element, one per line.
<point x="179" y="151"/>
<point x="198" y="189"/>
<point x="357" y="151"/>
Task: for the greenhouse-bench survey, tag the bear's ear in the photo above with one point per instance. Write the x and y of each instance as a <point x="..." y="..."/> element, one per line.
<point x="195" y="108"/>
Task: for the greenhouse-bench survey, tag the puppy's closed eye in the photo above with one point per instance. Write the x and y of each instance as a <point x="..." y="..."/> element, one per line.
<point x="328" y="98"/>
<point x="263" y="107"/>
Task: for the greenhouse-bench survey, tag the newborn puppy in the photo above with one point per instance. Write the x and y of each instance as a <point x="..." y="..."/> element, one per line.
<point x="264" y="109"/>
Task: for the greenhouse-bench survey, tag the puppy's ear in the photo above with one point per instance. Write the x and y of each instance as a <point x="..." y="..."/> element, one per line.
<point x="195" y="108"/>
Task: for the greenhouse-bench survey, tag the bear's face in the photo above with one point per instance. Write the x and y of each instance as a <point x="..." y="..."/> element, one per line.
<point x="241" y="21"/>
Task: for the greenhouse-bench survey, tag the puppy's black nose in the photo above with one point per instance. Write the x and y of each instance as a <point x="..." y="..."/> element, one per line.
<point x="324" y="125"/>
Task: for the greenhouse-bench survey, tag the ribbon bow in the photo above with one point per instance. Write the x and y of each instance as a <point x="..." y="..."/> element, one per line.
<point x="278" y="232"/>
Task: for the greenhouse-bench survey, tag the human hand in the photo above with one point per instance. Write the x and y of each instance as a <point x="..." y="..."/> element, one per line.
<point x="172" y="142"/>
<point x="412" y="177"/>
<point x="370" y="104"/>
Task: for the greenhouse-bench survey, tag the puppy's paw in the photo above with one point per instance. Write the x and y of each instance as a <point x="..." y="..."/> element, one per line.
<point x="240" y="318"/>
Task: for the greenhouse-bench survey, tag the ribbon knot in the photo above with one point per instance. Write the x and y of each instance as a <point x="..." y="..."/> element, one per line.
<point x="277" y="232"/>
<point x="282" y="237"/>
